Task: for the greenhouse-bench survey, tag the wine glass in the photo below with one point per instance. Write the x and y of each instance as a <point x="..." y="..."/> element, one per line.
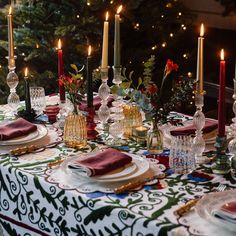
<point x="38" y="100"/>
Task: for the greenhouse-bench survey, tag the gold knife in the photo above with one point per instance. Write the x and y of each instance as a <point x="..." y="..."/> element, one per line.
<point x="29" y="149"/>
<point x="132" y="185"/>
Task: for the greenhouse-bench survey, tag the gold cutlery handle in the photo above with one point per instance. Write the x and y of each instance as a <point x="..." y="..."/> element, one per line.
<point x="132" y="185"/>
<point x="186" y="207"/>
<point x="23" y="150"/>
<point x="129" y="186"/>
<point x="55" y="163"/>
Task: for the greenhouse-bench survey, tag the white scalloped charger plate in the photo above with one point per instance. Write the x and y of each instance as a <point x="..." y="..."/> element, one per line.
<point x="213" y="201"/>
<point x="137" y="167"/>
<point x="34" y="136"/>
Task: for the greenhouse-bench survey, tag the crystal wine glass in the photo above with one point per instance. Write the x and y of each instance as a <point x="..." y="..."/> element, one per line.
<point x="38" y="100"/>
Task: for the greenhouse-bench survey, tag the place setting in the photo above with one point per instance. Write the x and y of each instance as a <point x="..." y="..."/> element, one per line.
<point x="22" y="137"/>
<point x="107" y="170"/>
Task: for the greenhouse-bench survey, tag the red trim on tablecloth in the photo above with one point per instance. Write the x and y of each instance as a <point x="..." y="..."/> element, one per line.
<point x="22" y="225"/>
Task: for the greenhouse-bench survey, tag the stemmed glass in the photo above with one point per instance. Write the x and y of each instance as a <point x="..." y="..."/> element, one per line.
<point x="38" y="100"/>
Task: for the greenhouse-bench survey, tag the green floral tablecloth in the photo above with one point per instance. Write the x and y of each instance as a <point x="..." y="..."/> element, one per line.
<point x="30" y="205"/>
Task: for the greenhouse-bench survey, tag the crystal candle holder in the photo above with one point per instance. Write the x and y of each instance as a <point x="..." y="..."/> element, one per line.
<point x="103" y="93"/>
<point x="199" y="122"/>
<point x="12" y="80"/>
<point x="117" y="78"/>
<point x="221" y="163"/>
<point x="232" y="143"/>
<point x="232" y="132"/>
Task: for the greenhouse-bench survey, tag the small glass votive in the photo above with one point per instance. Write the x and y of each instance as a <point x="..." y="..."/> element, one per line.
<point x="139" y="133"/>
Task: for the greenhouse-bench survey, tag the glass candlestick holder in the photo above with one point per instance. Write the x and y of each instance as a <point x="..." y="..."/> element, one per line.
<point x="199" y="121"/>
<point x="117" y="78"/>
<point x="232" y="128"/>
<point x="12" y="80"/>
<point x="221" y="163"/>
<point x="103" y="93"/>
<point x="232" y="143"/>
<point x="232" y="150"/>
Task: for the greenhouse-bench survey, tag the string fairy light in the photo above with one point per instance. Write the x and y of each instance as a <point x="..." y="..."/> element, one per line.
<point x="164" y="44"/>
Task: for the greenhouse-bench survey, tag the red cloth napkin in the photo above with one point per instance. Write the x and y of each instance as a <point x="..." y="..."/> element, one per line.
<point x="210" y="125"/>
<point x="16" y="129"/>
<point x="101" y="163"/>
<point x="96" y="103"/>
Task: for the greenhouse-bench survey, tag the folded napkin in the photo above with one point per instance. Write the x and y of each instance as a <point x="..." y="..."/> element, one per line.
<point x="101" y="163"/>
<point x="227" y="212"/>
<point x="16" y="129"/>
<point x="210" y="125"/>
<point x="96" y="103"/>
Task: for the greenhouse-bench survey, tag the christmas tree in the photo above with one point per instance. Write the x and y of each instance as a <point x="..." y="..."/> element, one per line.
<point x="147" y="27"/>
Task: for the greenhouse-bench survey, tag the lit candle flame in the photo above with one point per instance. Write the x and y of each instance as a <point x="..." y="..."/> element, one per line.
<point x="89" y="50"/>
<point x="222" y="54"/>
<point x="26" y="72"/>
<point x="202" y="30"/>
<point x="59" y="44"/>
<point x="10" y="10"/>
<point x="119" y="9"/>
<point x="107" y="15"/>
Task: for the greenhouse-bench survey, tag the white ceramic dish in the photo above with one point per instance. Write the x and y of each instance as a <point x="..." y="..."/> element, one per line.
<point x="166" y="129"/>
<point x="137" y="167"/>
<point x="34" y="136"/>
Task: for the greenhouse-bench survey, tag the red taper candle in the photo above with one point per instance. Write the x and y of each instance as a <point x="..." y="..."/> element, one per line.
<point x="61" y="72"/>
<point x="221" y="105"/>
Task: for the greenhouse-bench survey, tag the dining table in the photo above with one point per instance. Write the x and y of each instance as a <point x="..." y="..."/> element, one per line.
<point x="40" y="195"/>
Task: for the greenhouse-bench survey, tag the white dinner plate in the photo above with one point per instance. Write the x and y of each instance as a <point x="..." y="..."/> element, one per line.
<point x="34" y="136"/>
<point x="213" y="201"/>
<point x="137" y="167"/>
<point x="167" y="128"/>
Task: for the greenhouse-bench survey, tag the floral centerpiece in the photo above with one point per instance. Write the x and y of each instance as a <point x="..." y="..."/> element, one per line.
<point x="157" y="97"/>
<point x="74" y="85"/>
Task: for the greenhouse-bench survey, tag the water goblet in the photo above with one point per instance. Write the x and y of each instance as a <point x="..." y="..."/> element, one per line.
<point x="116" y="130"/>
<point x="38" y="100"/>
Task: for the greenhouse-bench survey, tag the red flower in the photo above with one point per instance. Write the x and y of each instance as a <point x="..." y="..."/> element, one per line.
<point x="61" y="80"/>
<point x="170" y="66"/>
<point x="151" y="89"/>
